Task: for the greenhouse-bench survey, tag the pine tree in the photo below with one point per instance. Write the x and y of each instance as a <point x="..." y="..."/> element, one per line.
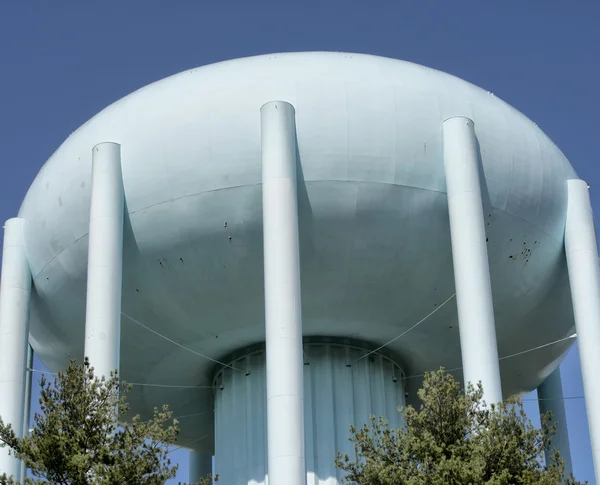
<point x="77" y="438"/>
<point x="454" y="439"/>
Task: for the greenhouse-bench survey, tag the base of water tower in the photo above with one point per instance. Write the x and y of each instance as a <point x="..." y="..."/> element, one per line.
<point x="339" y="390"/>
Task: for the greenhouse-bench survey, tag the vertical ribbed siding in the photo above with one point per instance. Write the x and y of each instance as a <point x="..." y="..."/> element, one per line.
<point x="335" y="396"/>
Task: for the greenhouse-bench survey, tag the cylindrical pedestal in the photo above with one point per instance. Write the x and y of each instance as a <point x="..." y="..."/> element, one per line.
<point x="105" y="261"/>
<point x="200" y="466"/>
<point x="337" y="395"/>
<point x="550" y="398"/>
<point x="469" y="253"/>
<point x="283" y="313"/>
<point x="584" y="277"/>
<point x="15" y="295"/>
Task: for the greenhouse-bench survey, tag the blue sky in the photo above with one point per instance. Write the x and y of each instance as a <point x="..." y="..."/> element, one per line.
<point x="63" y="61"/>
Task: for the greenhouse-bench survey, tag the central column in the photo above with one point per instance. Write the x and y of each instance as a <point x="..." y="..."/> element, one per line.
<point x="469" y="253"/>
<point x="341" y="388"/>
<point x="283" y="316"/>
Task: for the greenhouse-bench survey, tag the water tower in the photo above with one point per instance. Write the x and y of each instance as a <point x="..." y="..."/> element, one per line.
<point x="281" y="245"/>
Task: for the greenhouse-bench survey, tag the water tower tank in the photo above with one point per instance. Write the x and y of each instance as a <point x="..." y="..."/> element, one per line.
<point x="374" y="234"/>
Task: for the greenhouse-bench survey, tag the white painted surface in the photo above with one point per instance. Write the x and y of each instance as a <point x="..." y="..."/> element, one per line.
<point x="582" y="260"/>
<point x="27" y="401"/>
<point x="200" y="466"/>
<point x="15" y="293"/>
<point x="336" y="396"/>
<point x="469" y="253"/>
<point x="373" y="214"/>
<point x="283" y="308"/>
<point x="550" y="399"/>
<point x="105" y="260"/>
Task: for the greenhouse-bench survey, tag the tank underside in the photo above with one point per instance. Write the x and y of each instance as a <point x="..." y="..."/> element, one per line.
<point x="367" y="275"/>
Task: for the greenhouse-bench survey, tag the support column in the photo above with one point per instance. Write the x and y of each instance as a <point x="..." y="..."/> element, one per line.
<point x="27" y="406"/>
<point x="200" y="466"/>
<point x="105" y="261"/>
<point x="584" y="277"/>
<point x="15" y="296"/>
<point x="469" y="252"/>
<point x="550" y="398"/>
<point x="283" y="318"/>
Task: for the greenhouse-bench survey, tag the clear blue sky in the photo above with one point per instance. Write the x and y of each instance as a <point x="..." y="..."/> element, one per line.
<point x="62" y="62"/>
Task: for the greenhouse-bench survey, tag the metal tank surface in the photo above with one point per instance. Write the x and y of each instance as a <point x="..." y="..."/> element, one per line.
<point x="369" y="142"/>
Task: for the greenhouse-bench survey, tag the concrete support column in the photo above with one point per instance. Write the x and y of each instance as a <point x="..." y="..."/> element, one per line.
<point x="584" y="277"/>
<point x="283" y="318"/>
<point x="200" y="466"/>
<point x="27" y="406"/>
<point x="15" y="296"/>
<point x="550" y="398"/>
<point x="469" y="252"/>
<point x="105" y="260"/>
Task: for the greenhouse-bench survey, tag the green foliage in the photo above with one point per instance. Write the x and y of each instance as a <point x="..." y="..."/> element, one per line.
<point x="454" y="439"/>
<point x="77" y="439"/>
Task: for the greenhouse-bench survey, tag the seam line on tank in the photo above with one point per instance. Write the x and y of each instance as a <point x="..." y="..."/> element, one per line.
<point x="306" y="182"/>
<point x="59" y="253"/>
<point x="220" y="189"/>
<point x="559" y="239"/>
<point x="192" y="195"/>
